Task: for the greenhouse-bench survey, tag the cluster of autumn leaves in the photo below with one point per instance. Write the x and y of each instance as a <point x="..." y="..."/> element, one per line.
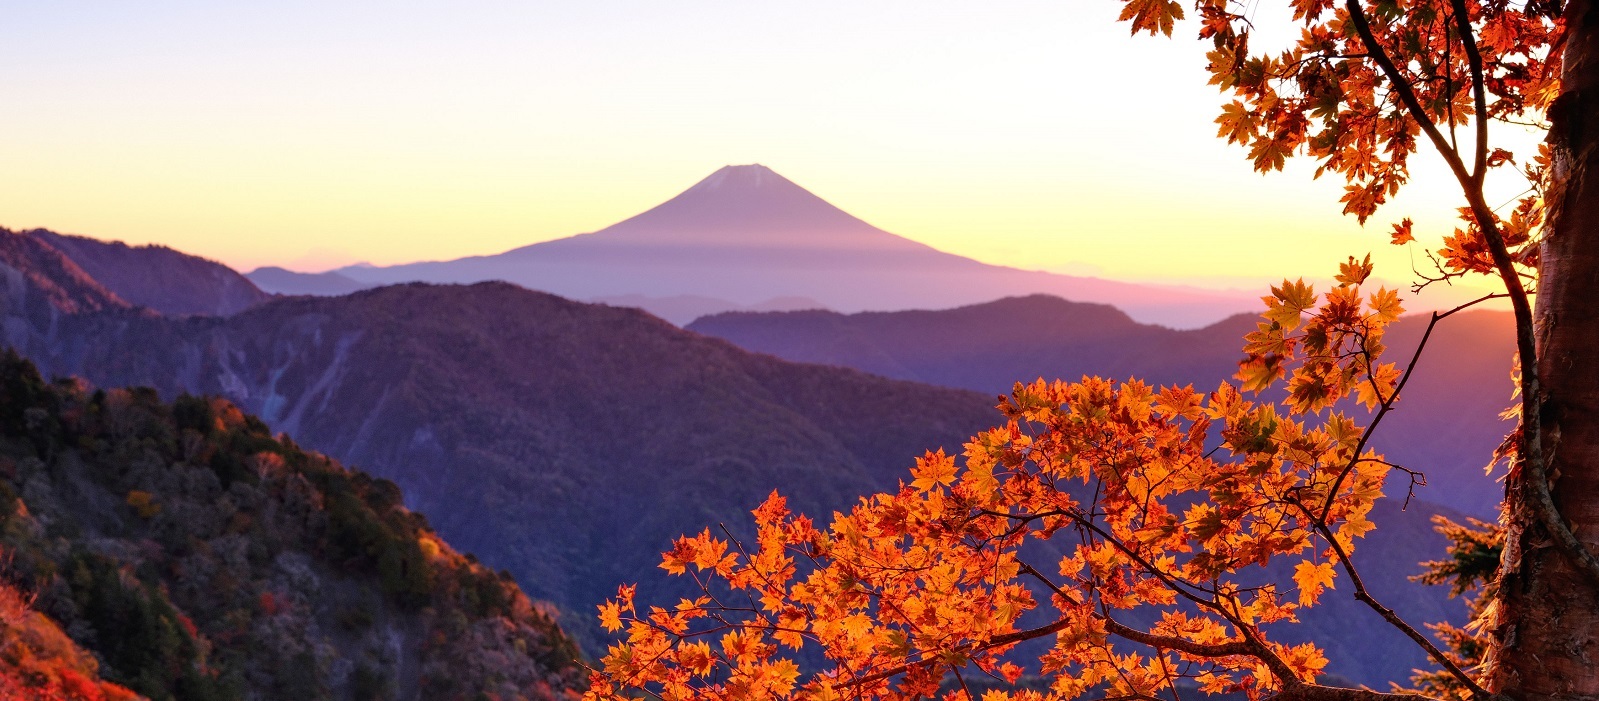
<point x="1329" y="96"/>
<point x="1109" y="520"/>
<point x="1368" y="81"/>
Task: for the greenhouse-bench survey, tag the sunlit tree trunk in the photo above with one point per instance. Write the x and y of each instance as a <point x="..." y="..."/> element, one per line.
<point x="1548" y="637"/>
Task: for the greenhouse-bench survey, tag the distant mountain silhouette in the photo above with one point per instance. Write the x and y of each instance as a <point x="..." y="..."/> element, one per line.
<point x="682" y="309"/>
<point x="746" y="234"/>
<point x="569" y="443"/>
<point x="678" y="309"/>
<point x="1447" y="422"/>
<point x="158" y="277"/>
<point x="988" y="347"/>
<point x="288" y="282"/>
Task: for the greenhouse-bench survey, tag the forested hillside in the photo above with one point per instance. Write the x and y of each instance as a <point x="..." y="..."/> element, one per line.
<point x="197" y="557"/>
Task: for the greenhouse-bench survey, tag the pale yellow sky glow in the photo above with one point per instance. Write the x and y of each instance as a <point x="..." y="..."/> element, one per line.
<point x="1032" y="134"/>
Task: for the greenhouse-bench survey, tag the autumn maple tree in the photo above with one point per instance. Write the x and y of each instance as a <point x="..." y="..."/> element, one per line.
<point x="1113" y="521"/>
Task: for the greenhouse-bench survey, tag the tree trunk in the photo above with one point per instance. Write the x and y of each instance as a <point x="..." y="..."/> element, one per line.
<point x="1548" y="621"/>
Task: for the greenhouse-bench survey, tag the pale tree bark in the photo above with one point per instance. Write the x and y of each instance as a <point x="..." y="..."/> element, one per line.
<point x="1547" y="633"/>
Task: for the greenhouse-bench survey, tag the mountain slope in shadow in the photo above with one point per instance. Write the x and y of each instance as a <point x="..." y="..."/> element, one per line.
<point x="197" y="557"/>
<point x="566" y="442"/>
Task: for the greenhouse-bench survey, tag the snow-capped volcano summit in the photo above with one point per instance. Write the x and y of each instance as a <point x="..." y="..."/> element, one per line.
<point x="750" y="176"/>
<point x="747" y="234"/>
<point x="750" y="206"/>
<point x="751" y="196"/>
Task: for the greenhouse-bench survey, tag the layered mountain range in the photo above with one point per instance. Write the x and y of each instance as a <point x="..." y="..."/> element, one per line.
<point x="1446" y="423"/>
<point x="746" y="236"/>
<point x="567" y="443"/>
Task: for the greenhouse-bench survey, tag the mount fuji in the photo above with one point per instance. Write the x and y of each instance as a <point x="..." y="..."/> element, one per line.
<point x="747" y="235"/>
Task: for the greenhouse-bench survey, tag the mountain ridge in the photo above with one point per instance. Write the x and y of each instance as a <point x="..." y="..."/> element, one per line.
<point x="57" y="284"/>
<point x="1025" y="330"/>
<point x="276" y="280"/>
<point x="1446" y="424"/>
<point x="158" y="277"/>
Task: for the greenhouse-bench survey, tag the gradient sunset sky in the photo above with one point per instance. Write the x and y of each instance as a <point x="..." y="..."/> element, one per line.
<point x="314" y="134"/>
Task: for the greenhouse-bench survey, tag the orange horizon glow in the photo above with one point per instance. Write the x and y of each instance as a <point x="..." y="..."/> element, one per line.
<point x="1035" y="135"/>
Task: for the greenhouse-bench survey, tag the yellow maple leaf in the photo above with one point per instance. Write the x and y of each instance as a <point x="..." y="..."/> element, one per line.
<point x="1152" y="15"/>
<point x="1354" y="272"/>
<point x="780" y="676"/>
<point x="1286" y="303"/>
<point x="1402" y="232"/>
<point x="1312" y="578"/>
<point x="1356" y="526"/>
<point x="611" y="616"/>
<point x="981" y="479"/>
<point x="1239" y="123"/>
<point x="932" y="470"/>
<point x="1385" y="306"/>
